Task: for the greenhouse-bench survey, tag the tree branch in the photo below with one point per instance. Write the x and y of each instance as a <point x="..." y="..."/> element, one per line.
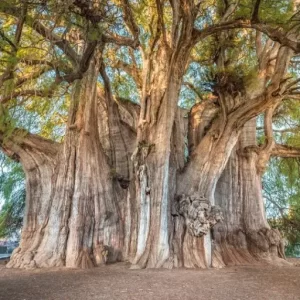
<point x="56" y="40"/>
<point x="285" y="151"/>
<point x="120" y="40"/>
<point x="95" y="15"/>
<point x="61" y="43"/>
<point x="129" y="20"/>
<point x="5" y="38"/>
<point x="20" y="140"/>
<point x="83" y="64"/>
<point x="160" y="19"/>
<point x="229" y="9"/>
<point x="26" y="93"/>
<point x="31" y="76"/>
<point x="276" y="34"/>
<point x="107" y="85"/>
<point x="8" y="74"/>
<point x="255" y="12"/>
<point x="268" y="128"/>
<point x="194" y="89"/>
<point x="131" y="70"/>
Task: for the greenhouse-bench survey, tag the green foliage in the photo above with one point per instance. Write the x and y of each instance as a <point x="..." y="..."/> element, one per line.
<point x="124" y="86"/>
<point x="271" y="11"/>
<point x="281" y="189"/>
<point x="12" y="194"/>
<point x="281" y="183"/>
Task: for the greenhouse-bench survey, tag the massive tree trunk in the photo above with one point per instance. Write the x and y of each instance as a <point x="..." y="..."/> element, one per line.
<point x="244" y="236"/>
<point x="118" y="120"/>
<point x="73" y="194"/>
<point x="196" y="185"/>
<point x="155" y="159"/>
<point x="211" y="143"/>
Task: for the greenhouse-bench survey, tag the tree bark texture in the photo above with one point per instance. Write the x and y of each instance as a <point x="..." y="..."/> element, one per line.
<point x="119" y="187"/>
<point x="244" y="236"/>
<point x="73" y="215"/>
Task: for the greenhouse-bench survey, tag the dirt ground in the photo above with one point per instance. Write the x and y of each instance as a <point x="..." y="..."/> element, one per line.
<point x="118" y="282"/>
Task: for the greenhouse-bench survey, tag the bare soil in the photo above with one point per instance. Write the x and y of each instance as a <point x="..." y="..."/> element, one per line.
<point x="119" y="282"/>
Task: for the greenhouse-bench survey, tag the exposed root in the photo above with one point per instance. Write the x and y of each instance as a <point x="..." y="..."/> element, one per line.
<point x="84" y="260"/>
<point x="32" y="259"/>
<point x="264" y="246"/>
<point x="21" y="260"/>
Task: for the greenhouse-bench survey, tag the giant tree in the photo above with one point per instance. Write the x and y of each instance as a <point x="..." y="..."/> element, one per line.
<point x="119" y="186"/>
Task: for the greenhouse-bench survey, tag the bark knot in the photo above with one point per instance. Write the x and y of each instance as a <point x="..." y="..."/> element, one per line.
<point x="200" y="216"/>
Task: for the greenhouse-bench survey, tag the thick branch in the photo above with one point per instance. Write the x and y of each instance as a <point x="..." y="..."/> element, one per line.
<point x="285" y="151"/>
<point x="94" y="14"/>
<point x="77" y="74"/>
<point x="268" y="128"/>
<point x="160" y="19"/>
<point x="56" y="40"/>
<point x="20" y="140"/>
<point x="107" y="85"/>
<point x="83" y="64"/>
<point x="276" y="34"/>
<point x="26" y="93"/>
<point x="120" y="40"/>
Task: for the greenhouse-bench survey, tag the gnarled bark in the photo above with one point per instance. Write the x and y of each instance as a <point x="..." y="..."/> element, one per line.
<point x="238" y="104"/>
<point x="82" y="222"/>
<point x="155" y="164"/>
<point x="38" y="159"/>
<point x="244" y="236"/>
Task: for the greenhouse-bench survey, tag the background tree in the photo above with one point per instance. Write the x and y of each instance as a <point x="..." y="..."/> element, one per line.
<point x="13" y="195"/>
<point x="281" y="186"/>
